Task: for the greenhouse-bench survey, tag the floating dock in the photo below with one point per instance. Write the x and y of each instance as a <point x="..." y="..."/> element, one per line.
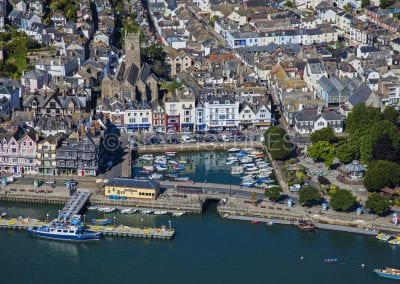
<point x="118" y="231"/>
<point x="125" y="231"/>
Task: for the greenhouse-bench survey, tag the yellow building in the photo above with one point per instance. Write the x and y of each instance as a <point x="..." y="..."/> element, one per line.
<point x="46" y="154"/>
<point x="132" y="188"/>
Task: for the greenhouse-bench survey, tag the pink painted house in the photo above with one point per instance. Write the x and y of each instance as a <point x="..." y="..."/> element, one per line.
<point x="18" y="151"/>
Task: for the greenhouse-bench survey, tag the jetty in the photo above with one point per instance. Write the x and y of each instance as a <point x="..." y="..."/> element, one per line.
<point x="74" y="204"/>
<point x="126" y="231"/>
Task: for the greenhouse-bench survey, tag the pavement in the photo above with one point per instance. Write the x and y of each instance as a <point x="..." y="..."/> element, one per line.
<point x="312" y="167"/>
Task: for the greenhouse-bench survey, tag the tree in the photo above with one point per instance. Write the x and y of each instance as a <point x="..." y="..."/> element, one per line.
<point x="378" y="203"/>
<point x="346" y="153"/>
<point x="322" y="151"/>
<point x="153" y="52"/>
<point x="171" y="87"/>
<point x="273" y="193"/>
<point x="365" y="3"/>
<point x="309" y="196"/>
<point x="281" y="150"/>
<point x="361" y="117"/>
<point x="381" y="174"/>
<point x="383" y="4"/>
<point x="277" y="143"/>
<point x="289" y="4"/>
<point x="324" y="134"/>
<point x="391" y="114"/>
<point x="272" y="135"/>
<point x="383" y="149"/>
<point x="343" y="200"/>
<point x="348" y="8"/>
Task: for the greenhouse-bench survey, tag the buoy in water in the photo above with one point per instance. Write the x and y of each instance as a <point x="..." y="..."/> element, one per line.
<point x="362" y="265"/>
<point x="301" y="258"/>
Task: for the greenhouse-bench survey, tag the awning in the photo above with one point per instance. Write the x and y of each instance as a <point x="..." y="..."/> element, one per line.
<point x="134" y="126"/>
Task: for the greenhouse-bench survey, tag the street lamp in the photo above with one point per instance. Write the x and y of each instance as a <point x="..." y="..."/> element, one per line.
<point x="114" y="220"/>
<point x="169" y="222"/>
<point x="142" y="222"/>
<point x="84" y="219"/>
<point x="47" y="217"/>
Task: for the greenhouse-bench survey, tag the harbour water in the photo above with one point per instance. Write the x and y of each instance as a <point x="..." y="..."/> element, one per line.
<point x="201" y="166"/>
<point x="206" y="249"/>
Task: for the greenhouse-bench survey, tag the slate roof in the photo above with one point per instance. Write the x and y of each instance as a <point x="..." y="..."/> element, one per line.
<point x="134" y="183"/>
<point x="360" y="95"/>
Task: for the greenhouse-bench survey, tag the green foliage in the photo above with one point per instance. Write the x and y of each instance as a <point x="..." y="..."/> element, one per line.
<point x="343" y="200"/>
<point x="391" y="114"/>
<point x="273" y="193"/>
<point x="383" y="149"/>
<point x="69" y="8"/>
<point x="153" y="52"/>
<point x="171" y="87"/>
<point x="289" y="4"/>
<point x="348" y="8"/>
<point x="361" y="117"/>
<point x="281" y="150"/>
<point x="277" y="143"/>
<point x="213" y="20"/>
<point x="381" y="174"/>
<point x="309" y="196"/>
<point x="346" y="153"/>
<point x="383" y="4"/>
<point x="378" y="203"/>
<point x="322" y="151"/>
<point x="324" y="134"/>
<point x="373" y="133"/>
<point x="15" y="46"/>
<point x="365" y="3"/>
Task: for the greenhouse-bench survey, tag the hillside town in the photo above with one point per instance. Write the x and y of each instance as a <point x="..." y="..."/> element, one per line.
<point x="73" y="72"/>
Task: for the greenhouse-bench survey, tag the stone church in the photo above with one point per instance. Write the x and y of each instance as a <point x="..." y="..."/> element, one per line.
<point x="132" y="80"/>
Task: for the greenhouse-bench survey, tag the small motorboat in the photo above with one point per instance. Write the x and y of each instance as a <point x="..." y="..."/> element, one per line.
<point x="225" y="215"/>
<point x="229" y="163"/>
<point x="395" y="241"/>
<point x="170" y="153"/>
<point x="3" y="214"/>
<point x="334" y="259"/>
<point x="182" y="178"/>
<point x="178" y="214"/>
<point x="233" y="150"/>
<point x="306" y="226"/>
<point x="145" y="212"/>
<point x="106" y="209"/>
<point x="148" y="168"/>
<point x="383" y="237"/>
<point x="102" y="222"/>
<point x="171" y="175"/>
<point x="160" y="212"/>
<point x="125" y="211"/>
<point x="147" y="157"/>
<point x="255" y="222"/>
<point x="92" y="208"/>
<point x="270" y="223"/>
<point x="155" y="176"/>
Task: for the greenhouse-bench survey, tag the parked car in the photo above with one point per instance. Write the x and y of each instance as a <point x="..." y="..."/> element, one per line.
<point x="50" y="181"/>
<point x="18" y="175"/>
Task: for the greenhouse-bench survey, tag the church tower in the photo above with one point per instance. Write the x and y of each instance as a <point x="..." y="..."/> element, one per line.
<point x="132" y="49"/>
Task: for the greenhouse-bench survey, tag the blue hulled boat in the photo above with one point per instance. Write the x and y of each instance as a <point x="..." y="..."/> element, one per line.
<point x="63" y="231"/>
<point x="391" y="273"/>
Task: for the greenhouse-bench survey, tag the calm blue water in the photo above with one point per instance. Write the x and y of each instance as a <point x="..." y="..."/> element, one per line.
<point x="202" y="166"/>
<point x="206" y="249"/>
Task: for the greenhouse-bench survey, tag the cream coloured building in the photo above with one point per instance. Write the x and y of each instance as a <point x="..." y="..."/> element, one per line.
<point x="132" y="188"/>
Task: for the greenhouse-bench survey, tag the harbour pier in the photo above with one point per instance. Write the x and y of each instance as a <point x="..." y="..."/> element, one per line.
<point x="74" y="204"/>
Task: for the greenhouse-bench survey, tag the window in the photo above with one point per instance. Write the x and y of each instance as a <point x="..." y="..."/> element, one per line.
<point x="145" y="119"/>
